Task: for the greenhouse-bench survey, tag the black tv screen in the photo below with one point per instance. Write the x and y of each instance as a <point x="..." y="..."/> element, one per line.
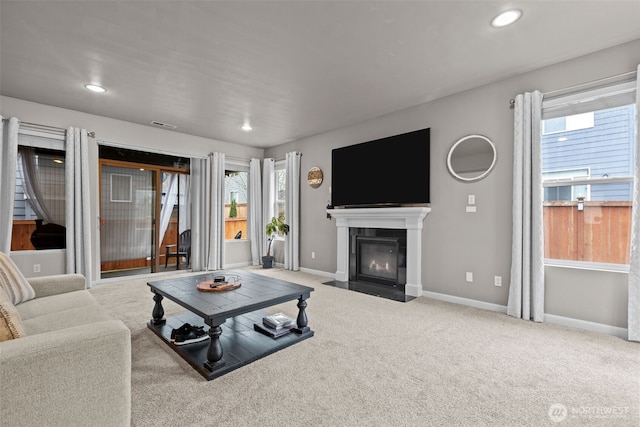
<point x="387" y="171"/>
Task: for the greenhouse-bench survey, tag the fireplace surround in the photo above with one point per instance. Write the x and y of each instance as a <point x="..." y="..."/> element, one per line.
<point x="404" y="218"/>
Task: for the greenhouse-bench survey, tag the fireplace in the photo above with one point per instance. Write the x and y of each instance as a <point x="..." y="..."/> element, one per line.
<point x="405" y="220"/>
<point x="378" y="256"/>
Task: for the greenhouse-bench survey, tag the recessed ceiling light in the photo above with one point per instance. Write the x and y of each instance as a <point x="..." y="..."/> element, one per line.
<point x="246" y="127"/>
<point x="95" y="88"/>
<point x="506" y="18"/>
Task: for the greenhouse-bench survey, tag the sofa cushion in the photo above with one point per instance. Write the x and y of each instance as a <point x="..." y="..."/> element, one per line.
<point x="10" y="322"/>
<point x="13" y="282"/>
<point x="55" y="303"/>
<point x="65" y="319"/>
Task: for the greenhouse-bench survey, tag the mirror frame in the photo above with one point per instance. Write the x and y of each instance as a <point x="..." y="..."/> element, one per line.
<point x="482" y="175"/>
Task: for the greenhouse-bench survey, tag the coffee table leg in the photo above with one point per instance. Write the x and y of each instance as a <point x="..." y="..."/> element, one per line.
<point x="301" y="321"/>
<point x="158" y="311"/>
<point x="214" y="352"/>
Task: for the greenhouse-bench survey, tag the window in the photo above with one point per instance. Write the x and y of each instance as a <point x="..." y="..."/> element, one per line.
<point x="587" y="171"/>
<point x="281" y="186"/>
<point x="40" y="189"/>
<point x="568" y="123"/>
<point x="120" y="187"/>
<point x="566" y="192"/>
<point x="236" y="184"/>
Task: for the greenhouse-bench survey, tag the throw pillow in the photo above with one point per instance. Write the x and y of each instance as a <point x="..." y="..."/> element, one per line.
<point x="10" y="321"/>
<point x="13" y="282"/>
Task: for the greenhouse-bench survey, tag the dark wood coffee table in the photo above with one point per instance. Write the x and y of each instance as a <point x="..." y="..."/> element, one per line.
<point x="242" y="307"/>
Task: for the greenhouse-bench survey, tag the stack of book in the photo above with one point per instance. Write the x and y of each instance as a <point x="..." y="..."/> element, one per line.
<point x="275" y="325"/>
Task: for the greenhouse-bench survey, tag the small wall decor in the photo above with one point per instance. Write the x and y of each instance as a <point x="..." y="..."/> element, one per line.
<point x="314" y="177"/>
<point x="471" y="158"/>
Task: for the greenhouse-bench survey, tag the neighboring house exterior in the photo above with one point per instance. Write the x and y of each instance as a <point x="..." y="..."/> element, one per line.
<point x="590" y="145"/>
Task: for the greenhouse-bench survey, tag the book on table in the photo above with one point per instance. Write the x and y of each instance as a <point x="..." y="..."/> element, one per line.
<point x="278" y="321"/>
<point x="275" y="325"/>
<point x="273" y="333"/>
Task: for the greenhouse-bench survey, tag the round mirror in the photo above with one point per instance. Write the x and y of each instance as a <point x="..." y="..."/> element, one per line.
<point x="471" y="158"/>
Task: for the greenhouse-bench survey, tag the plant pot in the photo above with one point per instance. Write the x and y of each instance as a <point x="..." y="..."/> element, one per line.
<point x="267" y="261"/>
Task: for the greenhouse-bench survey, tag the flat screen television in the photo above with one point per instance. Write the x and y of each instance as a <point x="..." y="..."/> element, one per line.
<point x="388" y="171"/>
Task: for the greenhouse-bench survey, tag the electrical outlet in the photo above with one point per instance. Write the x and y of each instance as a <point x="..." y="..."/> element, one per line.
<point x="313" y="255"/>
<point x="469" y="276"/>
<point x="471" y="199"/>
<point x="36" y="268"/>
<point x="497" y="280"/>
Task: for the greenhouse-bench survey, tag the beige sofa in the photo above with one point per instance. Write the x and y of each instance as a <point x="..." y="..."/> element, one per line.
<point x="70" y="362"/>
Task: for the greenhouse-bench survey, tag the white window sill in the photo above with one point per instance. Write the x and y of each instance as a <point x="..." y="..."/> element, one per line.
<point x="583" y="265"/>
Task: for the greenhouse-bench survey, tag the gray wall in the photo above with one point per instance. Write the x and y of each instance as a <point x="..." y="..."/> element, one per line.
<point x="454" y="241"/>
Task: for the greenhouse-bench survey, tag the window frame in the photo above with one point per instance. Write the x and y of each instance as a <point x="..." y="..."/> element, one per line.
<point x="280" y="169"/>
<point x="53" y="139"/>
<point x="234" y="165"/>
<point x="620" y="94"/>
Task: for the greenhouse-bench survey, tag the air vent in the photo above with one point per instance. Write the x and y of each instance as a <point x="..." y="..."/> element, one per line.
<point x="164" y="125"/>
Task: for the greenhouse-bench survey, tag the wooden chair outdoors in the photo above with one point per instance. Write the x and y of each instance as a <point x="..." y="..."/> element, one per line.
<point x="183" y="249"/>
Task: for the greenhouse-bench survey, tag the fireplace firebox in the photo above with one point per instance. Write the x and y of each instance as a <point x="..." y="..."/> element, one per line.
<point x="378" y="256"/>
<point x="377" y="260"/>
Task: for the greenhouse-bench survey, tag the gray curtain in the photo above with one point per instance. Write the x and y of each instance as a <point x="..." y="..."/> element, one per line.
<point x="32" y="188"/>
<point x="8" y="167"/>
<point x="633" y="322"/>
<point x="268" y="197"/>
<point x="526" y="289"/>
<point x="292" y="200"/>
<point x="184" y="203"/>
<point x="255" y="225"/>
<point x="198" y="197"/>
<point x="77" y="191"/>
<point x="215" y="257"/>
<point x="168" y="202"/>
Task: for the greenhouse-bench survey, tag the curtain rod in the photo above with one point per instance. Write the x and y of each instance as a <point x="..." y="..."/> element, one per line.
<point x="52" y="128"/>
<point x="580" y="85"/>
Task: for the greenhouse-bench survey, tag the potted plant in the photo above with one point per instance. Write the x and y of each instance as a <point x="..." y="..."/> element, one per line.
<point x="273" y="228"/>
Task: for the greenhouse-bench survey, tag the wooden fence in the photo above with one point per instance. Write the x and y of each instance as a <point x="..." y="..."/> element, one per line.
<point x="598" y="233"/>
<point x="234" y="225"/>
<point x="21" y="235"/>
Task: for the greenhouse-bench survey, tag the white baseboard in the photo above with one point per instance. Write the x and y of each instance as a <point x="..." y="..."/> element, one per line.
<point x="318" y="272"/>
<point x="236" y="265"/>
<point x="465" y="301"/>
<point x="589" y="326"/>
<point x="548" y="318"/>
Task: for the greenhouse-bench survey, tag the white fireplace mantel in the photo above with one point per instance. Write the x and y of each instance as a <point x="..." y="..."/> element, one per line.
<point x="409" y="219"/>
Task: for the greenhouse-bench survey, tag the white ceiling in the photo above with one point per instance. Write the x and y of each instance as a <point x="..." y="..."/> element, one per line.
<point x="293" y="69"/>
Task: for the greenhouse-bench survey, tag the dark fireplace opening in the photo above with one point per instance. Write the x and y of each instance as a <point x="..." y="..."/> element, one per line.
<point x="377" y="263"/>
<point x="377" y="260"/>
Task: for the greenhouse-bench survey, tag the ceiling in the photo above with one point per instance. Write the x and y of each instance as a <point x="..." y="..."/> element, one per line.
<point x="292" y="69"/>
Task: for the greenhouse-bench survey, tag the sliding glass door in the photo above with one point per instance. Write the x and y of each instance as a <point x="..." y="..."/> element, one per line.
<point x="143" y="211"/>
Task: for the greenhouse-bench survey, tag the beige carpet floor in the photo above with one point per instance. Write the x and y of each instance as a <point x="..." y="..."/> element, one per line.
<point x="377" y="362"/>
